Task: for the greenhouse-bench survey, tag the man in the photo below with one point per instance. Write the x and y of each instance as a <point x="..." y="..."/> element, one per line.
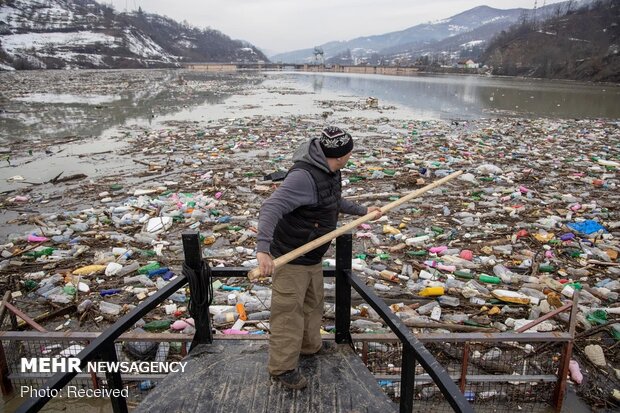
<point x="303" y="208"/>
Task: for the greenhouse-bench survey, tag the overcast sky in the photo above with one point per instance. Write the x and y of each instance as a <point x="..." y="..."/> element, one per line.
<point x="286" y="25"/>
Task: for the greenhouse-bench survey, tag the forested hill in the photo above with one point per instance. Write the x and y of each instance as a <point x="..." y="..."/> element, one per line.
<point x="55" y="34"/>
<point x="583" y="44"/>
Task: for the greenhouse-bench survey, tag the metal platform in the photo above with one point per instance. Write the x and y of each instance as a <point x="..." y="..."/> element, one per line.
<point x="233" y="377"/>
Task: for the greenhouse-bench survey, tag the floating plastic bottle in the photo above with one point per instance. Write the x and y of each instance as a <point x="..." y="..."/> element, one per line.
<point x="432" y="291"/>
<point x="156" y="271"/>
<point x="148" y="267"/>
<point x="111" y="291"/>
<point x="128" y="269"/>
<point x="109" y="308"/>
<point x="381" y="287"/>
<point x="261" y="315"/>
<point x="389" y="276"/>
<point x="84" y="305"/>
<point x="226" y="317"/>
<point x="366" y="325"/>
<point x="417" y="240"/>
<point x="440" y="266"/>
<point x="489" y="279"/>
<point x="157" y="325"/>
<point x="449" y="301"/>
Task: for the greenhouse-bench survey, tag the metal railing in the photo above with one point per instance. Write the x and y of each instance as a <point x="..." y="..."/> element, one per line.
<point x="413" y="350"/>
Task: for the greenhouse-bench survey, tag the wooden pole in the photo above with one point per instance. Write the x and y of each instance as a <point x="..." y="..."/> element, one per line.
<point x="254" y="275"/>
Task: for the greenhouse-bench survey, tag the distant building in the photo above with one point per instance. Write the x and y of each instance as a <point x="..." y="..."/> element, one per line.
<point x="467" y="64"/>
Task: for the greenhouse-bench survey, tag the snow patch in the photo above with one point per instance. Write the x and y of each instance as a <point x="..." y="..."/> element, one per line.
<point x="494" y="19"/>
<point x="456" y="28"/>
<point x="186" y="44"/>
<point x="13" y="43"/>
<point x="144" y="47"/>
<point x="471" y="44"/>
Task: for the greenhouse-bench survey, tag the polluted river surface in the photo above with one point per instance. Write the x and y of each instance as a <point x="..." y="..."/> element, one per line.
<point x="101" y="171"/>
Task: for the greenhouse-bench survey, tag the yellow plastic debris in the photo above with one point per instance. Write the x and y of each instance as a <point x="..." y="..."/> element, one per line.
<point x="432" y="291"/>
<point x="89" y="269"/>
<point x="511" y="296"/>
<point x="494" y="310"/>
<point x="544" y="237"/>
<point x="388" y="229"/>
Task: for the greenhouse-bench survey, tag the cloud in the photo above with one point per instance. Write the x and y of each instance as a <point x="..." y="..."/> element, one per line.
<point x="285" y="25"/>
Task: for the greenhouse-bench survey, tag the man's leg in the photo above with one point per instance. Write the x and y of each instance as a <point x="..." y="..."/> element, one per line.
<point x="313" y="311"/>
<point x="287" y="317"/>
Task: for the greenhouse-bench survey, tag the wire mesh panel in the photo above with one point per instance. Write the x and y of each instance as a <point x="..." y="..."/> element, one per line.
<point x="493" y="376"/>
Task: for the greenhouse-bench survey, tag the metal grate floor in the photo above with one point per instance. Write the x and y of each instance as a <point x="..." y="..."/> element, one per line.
<point x="232" y="377"/>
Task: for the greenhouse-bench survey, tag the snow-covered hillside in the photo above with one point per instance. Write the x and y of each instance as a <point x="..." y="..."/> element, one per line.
<point x="40" y="34"/>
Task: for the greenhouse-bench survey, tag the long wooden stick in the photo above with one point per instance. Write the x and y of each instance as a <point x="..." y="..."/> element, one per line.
<point x="290" y="256"/>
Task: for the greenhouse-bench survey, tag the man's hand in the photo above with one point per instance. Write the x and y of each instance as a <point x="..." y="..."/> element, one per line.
<point x="377" y="210"/>
<point x="265" y="264"/>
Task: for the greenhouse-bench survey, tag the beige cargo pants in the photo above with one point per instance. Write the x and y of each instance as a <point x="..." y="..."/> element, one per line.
<point x="296" y="315"/>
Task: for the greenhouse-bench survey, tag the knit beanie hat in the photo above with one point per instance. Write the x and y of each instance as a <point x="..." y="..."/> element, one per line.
<point x="335" y="142"/>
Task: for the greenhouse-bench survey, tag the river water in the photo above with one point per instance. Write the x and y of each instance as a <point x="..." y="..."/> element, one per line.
<point x="57" y="120"/>
<point x="472" y="97"/>
<point x="57" y="104"/>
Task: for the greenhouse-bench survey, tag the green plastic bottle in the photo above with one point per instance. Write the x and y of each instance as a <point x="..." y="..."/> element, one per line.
<point x="489" y="279"/>
<point x="463" y="274"/>
<point x="40" y="253"/>
<point x="148" y="267"/>
<point x="157" y="325"/>
<point x="146" y="253"/>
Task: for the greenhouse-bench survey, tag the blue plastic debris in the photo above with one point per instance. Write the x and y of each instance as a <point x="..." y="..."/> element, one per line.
<point x="586" y="227"/>
<point x="158" y="271"/>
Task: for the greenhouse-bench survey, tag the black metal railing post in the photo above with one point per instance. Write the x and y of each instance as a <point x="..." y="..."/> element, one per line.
<point x="560" y="387"/>
<point x="114" y="379"/>
<point x="193" y="259"/>
<point x="407" y="381"/>
<point x="344" y="252"/>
